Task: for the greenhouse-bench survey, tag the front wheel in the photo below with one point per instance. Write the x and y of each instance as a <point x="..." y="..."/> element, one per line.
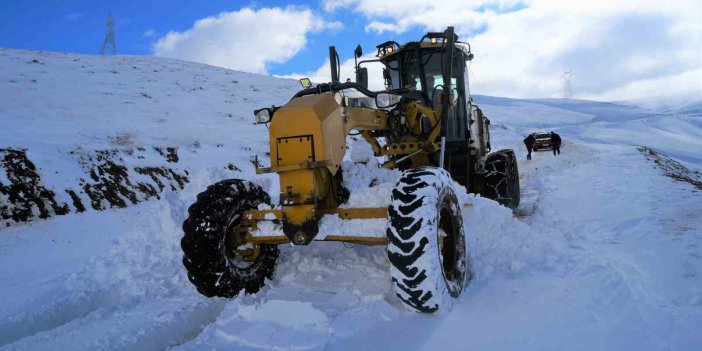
<point x="426" y="242"/>
<point x="218" y="260"/>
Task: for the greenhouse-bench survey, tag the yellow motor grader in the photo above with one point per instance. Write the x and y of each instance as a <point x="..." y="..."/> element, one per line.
<point x="424" y="124"/>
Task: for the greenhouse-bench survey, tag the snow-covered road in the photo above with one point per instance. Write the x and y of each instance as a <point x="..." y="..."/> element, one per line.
<point x="605" y="251"/>
<point x="604" y="260"/>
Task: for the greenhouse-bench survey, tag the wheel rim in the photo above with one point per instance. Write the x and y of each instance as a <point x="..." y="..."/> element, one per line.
<point x="240" y="255"/>
<point x="450" y="255"/>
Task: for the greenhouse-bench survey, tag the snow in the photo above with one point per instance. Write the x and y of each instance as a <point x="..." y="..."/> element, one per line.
<point x="333" y="225"/>
<point x="604" y="253"/>
<point x="267" y="228"/>
<point x="293" y="314"/>
<point x="513" y="246"/>
<point x="361" y="151"/>
<point x="370" y="184"/>
<point x="55" y="104"/>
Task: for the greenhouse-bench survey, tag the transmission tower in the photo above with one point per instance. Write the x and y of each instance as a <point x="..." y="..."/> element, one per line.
<point x="567" y="89"/>
<point x="108" y="45"/>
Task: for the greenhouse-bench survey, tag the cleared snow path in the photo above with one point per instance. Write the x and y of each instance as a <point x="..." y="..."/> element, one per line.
<point x="579" y="271"/>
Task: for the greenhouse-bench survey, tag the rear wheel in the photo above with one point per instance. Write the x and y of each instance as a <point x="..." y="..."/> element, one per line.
<point x="426" y="242"/>
<point x="501" y="180"/>
<point x="218" y="261"/>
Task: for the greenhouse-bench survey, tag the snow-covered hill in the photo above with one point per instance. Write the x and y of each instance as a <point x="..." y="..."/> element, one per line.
<point x="108" y="132"/>
<point x="605" y="251"/>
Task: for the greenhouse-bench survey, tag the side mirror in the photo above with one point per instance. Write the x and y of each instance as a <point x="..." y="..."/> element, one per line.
<point x="384" y="100"/>
<point x="358" y="52"/>
<point x="362" y="77"/>
<point x="263" y="115"/>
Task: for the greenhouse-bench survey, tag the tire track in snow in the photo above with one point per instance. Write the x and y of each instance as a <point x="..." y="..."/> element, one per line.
<point x="613" y="209"/>
<point x="52" y="311"/>
<point x="135" y="324"/>
<point x="319" y="293"/>
<point x="136" y="291"/>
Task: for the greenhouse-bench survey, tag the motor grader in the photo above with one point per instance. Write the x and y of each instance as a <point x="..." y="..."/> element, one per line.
<point x="424" y="124"/>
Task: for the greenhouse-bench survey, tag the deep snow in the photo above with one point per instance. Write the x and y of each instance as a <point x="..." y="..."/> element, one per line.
<point x="605" y="251"/>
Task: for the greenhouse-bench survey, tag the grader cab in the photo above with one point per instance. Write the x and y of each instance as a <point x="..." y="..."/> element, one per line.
<point x="423" y="124"/>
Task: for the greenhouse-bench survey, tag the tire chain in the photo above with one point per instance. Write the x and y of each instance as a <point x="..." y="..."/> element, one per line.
<point x="216" y="210"/>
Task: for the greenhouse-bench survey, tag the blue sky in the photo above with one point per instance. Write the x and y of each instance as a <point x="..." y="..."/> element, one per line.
<point x="79" y="26"/>
<point x="617" y="49"/>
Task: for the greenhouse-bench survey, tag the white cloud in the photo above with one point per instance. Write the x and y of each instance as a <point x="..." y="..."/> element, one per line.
<point x="674" y="85"/>
<point x="149" y="33"/>
<point x="347" y="69"/>
<point x="331" y="26"/>
<point x="333" y="5"/>
<point x="401" y="16"/>
<point x="617" y="49"/>
<point x="247" y="40"/>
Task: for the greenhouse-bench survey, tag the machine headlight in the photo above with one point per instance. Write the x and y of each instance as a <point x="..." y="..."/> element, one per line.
<point x="306" y="83"/>
<point x="263" y="115"/>
<point x="384" y="100"/>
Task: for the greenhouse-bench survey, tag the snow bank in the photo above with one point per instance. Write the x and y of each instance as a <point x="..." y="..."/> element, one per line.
<point x="500" y="244"/>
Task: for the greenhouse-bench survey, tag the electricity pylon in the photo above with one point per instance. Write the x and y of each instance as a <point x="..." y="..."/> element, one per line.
<point x="567" y="89"/>
<point x="108" y="45"/>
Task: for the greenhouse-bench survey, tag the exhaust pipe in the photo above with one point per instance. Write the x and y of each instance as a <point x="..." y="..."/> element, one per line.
<point x="334" y="64"/>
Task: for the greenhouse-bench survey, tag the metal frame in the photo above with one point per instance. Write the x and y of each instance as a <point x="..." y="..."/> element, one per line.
<point x="252" y="217"/>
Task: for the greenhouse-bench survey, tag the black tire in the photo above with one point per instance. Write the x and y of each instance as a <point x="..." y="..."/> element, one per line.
<point x="428" y="270"/>
<point x="501" y="179"/>
<point x="214" y="268"/>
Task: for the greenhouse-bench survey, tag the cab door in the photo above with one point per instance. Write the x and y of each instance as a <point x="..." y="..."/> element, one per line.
<point x="458" y="128"/>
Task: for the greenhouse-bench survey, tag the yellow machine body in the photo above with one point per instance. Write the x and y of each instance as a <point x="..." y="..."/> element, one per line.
<point x="307" y="139"/>
<point x="307" y="144"/>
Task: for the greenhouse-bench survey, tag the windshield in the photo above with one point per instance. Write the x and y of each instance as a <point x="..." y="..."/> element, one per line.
<point x="406" y="70"/>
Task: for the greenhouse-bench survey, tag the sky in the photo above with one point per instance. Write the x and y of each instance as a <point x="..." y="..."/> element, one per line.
<point x="616" y="49"/>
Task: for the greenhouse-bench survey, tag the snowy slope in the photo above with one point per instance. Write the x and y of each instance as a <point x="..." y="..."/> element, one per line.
<point x="68" y="111"/>
<point x="678" y="134"/>
<point x="605" y="253"/>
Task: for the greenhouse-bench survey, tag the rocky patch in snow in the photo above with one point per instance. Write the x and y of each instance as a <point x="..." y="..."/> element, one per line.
<point x="112" y="178"/>
<point x="672" y="168"/>
<point x="22" y="195"/>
